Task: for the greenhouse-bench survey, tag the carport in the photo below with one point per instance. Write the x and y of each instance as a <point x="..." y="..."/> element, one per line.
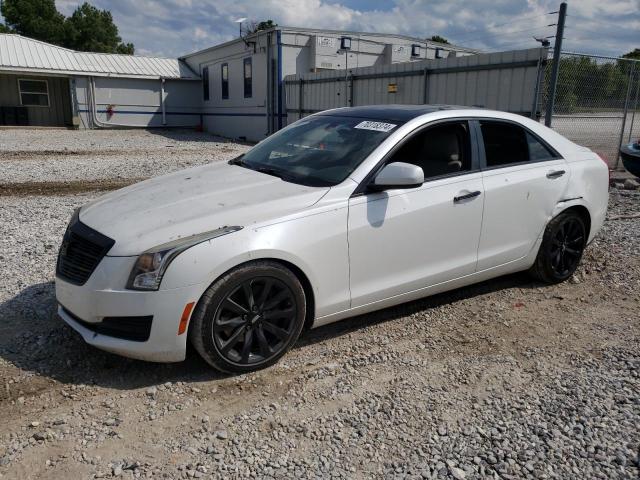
<point x="35" y="100"/>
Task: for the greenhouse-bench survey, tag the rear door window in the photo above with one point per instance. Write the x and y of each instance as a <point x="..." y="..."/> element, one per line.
<point x="539" y="151"/>
<point x="507" y="144"/>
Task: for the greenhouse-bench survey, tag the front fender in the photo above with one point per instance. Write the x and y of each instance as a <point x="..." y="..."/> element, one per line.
<point x="316" y="244"/>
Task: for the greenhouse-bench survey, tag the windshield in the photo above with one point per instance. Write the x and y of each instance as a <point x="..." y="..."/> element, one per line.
<point x="317" y="151"/>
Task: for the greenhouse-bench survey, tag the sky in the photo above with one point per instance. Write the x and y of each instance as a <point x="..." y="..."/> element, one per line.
<point x="176" y="27"/>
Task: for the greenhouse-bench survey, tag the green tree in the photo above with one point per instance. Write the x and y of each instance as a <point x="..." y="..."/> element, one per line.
<point x="635" y="54"/>
<point x="37" y="19"/>
<point x="5" y="29"/>
<point x="89" y="29"/>
<point x="254" y="27"/>
<point x="439" y="39"/>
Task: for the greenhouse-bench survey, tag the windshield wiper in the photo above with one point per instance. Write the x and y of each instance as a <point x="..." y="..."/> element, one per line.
<point x="272" y="171"/>
<point x="238" y="161"/>
<point x="266" y="170"/>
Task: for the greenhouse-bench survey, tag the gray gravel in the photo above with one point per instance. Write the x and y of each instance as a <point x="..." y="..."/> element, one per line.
<point x="65" y="155"/>
<point x="507" y="380"/>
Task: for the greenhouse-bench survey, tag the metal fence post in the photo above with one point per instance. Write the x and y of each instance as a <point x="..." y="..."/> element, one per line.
<point x="542" y="62"/>
<point x="557" y="50"/>
<point x="635" y="107"/>
<point x="301" y="99"/>
<point x="425" y="94"/>
<point x="626" y="111"/>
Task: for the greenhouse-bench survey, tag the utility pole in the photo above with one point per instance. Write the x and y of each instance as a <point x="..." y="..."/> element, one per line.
<point x="555" y="67"/>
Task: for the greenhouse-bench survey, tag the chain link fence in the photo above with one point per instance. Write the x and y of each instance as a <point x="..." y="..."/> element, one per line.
<point x="596" y="102"/>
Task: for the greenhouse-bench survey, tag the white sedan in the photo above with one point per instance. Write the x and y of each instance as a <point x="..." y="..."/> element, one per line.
<point x="339" y="214"/>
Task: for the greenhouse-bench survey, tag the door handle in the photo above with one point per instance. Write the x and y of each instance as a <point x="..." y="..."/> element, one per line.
<point x="466" y="196"/>
<point x="555" y="173"/>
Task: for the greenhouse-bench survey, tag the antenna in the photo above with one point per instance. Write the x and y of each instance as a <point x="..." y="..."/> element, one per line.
<point x="240" y="21"/>
<point x="543" y="40"/>
<point x="249" y="31"/>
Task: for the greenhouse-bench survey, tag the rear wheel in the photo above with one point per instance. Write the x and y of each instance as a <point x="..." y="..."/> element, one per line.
<point x="562" y="246"/>
<point x="249" y="318"/>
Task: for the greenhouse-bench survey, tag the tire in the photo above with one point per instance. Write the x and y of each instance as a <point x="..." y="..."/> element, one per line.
<point x="249" y="318"/>
<point x="562" y="246"/>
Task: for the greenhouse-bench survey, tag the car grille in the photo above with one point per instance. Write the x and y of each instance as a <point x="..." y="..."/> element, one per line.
<point x="81" y="251"/>
<point x="136" y="329"/>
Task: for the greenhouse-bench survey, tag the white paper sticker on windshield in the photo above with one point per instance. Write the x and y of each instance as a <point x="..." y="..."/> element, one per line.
<point x="377" y="126"/>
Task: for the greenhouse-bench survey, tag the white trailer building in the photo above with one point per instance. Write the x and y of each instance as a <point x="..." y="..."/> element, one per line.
<point x="234" y="89"/>
<point x="242" y="87"/>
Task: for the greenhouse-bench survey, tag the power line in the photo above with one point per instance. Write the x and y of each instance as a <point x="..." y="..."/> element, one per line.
<point x="500" y="39"/>
<point x="594" y="20"/>
<point x="511" y="22"/>
<point x="532" y="42"/>
<point x="510" y="33"/>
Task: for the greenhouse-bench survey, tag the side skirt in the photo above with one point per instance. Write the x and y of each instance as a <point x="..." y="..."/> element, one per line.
<point x="512" y="267"/>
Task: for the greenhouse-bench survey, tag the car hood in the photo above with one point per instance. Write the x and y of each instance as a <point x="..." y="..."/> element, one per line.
<point x="192" y="201"/>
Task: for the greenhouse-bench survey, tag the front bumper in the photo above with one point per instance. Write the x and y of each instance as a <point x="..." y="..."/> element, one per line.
<point x="103" y="295"/>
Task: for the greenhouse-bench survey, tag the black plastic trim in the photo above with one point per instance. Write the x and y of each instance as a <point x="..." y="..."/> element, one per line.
<point x="135" y="329"/>
<point x="91" y="261"/>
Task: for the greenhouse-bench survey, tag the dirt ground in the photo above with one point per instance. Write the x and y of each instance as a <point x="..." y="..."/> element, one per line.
<point x="505" y="379"/>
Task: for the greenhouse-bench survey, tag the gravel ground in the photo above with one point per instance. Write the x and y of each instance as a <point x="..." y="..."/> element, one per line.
<point x="68" y="155"/>
<point x="506" y="379"/>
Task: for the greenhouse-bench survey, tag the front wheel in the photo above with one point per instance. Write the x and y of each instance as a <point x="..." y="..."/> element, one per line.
<point x="562" y="246"/>
<point x="249" y="318"/>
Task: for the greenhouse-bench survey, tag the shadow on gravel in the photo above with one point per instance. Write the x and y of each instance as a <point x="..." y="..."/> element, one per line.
<point x="34" y="339"/>
<point x="344" y="327"/>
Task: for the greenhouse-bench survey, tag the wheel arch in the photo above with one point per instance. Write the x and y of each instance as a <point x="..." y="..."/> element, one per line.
<point x="302" y="277"/>
<point x="584" y="214"/>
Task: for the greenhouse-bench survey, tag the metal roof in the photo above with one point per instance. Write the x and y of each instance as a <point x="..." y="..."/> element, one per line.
<point x="310" y="31"/>
<point x="448" y="46"/>
<point x="26" y="55"/>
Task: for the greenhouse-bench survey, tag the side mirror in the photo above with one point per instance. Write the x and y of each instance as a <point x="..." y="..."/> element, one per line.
<point x="397" y="175"/>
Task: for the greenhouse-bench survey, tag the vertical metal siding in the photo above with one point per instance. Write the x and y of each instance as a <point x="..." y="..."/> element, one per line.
<point x="501" y="80"/>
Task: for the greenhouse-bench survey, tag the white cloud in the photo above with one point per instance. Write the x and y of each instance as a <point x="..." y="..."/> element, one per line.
<point x="176" y="27"/>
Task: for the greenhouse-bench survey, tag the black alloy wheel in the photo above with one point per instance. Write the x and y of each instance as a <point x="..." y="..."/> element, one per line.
<point x="563" y="244"/>
<point x="254" y="321"/>
<point x="249" y="317"/>
<point x="567" y="246"/>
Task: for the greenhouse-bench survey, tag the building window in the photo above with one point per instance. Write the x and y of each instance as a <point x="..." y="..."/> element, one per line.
<point x="224" y="76"/>
<point x="205" y="83"/>
<point x="248" y="77"/>
<point x="415" y="50"/>
<point x="34" y="93"/>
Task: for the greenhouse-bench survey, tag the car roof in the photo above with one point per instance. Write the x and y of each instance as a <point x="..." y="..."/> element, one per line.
<point x="399" y="113"/>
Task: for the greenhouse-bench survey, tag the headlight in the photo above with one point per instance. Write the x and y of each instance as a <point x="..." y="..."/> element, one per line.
<point x="150" y="267"/>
